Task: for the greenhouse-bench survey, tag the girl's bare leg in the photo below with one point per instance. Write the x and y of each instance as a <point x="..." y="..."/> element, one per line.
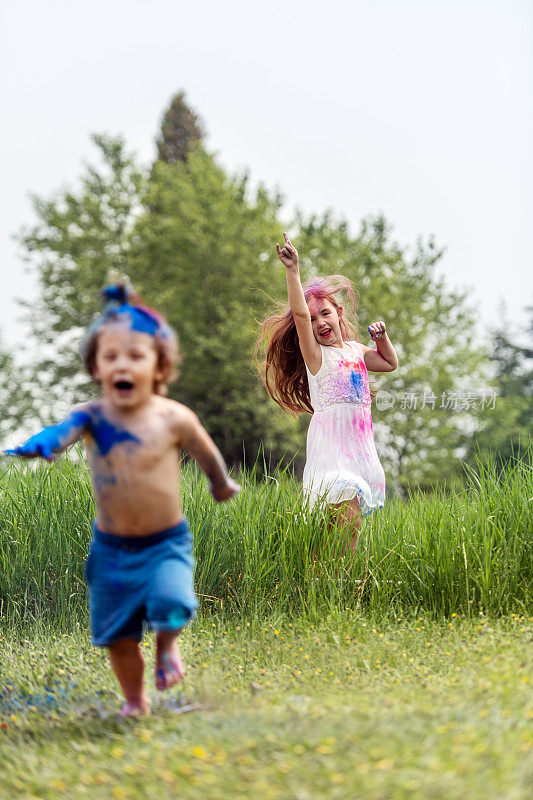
<point x="128" y="666"/>
<point x="169" y="668"/>
<point x="345" y="520"/>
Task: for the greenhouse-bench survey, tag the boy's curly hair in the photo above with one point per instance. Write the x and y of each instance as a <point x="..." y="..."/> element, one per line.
<point x="119" y="300"/>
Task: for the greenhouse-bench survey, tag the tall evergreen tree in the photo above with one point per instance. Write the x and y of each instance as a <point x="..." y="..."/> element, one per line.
<point x="181" y="130"/>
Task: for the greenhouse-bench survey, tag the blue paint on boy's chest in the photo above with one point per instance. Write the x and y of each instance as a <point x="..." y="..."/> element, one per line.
<point x="106" y="435"/>
<point x="103" y="482"/>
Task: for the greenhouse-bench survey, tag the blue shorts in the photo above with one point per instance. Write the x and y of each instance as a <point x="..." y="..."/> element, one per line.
<point x="133" y="579"/>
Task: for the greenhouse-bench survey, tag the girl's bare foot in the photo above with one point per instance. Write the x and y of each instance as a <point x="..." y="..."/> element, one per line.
<point x="169" y="669"/>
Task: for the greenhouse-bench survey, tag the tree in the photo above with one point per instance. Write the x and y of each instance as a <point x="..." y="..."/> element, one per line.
<point x="81" y="237"/>
<point x="204" y="256"/>
<point x="15" y="398"/>
<point x="505" y="429"/>
<point x="198" y="243"/>
<point x="196" y="236"/>
<point x="181" y="130"/>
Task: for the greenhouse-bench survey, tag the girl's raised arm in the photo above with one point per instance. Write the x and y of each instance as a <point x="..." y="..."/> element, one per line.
<point x="300" y="310"/>
<point x="56" y="438"/>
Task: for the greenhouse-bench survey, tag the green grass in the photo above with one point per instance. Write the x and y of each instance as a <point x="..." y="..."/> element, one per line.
<point x="348" y="707"/>
<point x="463" y="552"/>
<point x="403" y="674"/>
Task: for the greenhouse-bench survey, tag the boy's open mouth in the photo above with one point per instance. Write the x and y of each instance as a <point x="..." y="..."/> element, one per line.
<point x="123" y="386"/>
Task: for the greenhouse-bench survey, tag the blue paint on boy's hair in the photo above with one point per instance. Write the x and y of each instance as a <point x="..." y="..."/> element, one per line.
<point x="138" y="318"/>
<point x="357" y="382"/>
<point x="115" y="295"/>
<point x="106" y="435"/>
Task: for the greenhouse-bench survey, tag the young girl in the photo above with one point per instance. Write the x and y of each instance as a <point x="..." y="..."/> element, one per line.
<point x="140" y="564"/>
<point x="315" y="364"/>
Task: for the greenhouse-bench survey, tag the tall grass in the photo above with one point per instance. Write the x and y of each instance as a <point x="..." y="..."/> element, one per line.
<point x="466" y="552"/>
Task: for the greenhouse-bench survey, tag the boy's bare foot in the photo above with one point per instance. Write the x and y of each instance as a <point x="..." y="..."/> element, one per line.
<point x="131" y="710"/>
<point x="169" y="669"/>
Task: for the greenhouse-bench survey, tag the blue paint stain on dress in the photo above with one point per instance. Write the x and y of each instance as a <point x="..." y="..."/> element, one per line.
<point x="357" y="383"/>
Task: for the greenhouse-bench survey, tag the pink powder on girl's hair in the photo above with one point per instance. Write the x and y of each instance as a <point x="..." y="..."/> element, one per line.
<point x="323" y="288"/>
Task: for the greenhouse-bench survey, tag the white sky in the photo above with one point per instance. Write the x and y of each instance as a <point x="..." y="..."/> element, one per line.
<point x="421" y="110"/>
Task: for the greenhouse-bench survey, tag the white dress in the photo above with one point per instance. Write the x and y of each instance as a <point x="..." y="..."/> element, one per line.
<point x="342" y="462"/>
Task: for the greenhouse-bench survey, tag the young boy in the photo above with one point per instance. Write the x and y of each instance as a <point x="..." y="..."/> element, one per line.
<point x="140" y="564"/>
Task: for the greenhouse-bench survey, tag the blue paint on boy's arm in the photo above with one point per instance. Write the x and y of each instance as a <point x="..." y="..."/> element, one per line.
<point x="57" y="437"/>
<point x="106" y="435"/>
<point x="54" y="438"/>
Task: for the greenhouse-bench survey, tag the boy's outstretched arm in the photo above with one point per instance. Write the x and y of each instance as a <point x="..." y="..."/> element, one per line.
<point x="55" y="438"/>
<point x="202" y="448"/>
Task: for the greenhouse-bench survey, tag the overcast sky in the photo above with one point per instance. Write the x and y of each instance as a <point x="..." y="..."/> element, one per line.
<point x="420" y="110"/>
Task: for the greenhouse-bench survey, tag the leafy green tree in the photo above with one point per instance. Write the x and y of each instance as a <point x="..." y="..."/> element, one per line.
<point x="16" y="407"/>
<point x="198" y="248"/>
<point x="198" y="243"/>
<point x="81" y="236"/>
<point x="505" y="429"/>
<point x="181" y="131"/>
<point x="433" y="331"/>
<point x="204" y="256"/>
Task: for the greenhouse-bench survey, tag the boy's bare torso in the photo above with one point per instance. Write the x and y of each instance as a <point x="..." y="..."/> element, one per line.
<point x="134" y="460"/>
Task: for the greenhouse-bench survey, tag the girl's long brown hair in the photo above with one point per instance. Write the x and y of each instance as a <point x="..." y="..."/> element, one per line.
<point x="283" y="368"/>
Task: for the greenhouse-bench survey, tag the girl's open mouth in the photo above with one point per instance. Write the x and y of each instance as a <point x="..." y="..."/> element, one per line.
<point x="326" y="332"/>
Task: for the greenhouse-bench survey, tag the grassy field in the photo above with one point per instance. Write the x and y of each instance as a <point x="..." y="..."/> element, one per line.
<point x="461" y="553"/>
<point x="348" y="707"/>
<point x="405" y="674"/>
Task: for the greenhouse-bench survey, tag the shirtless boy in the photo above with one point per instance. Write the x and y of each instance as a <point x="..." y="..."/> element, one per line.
<point x="140" y="563"/>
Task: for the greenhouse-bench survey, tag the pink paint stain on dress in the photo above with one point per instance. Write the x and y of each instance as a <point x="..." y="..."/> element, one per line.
<point x="360" y="424"/>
